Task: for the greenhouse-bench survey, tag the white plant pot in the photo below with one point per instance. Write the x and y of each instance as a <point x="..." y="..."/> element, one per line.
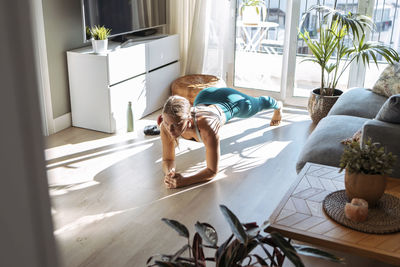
<point x="250" y="15"/>
<point x="99" y="46"/>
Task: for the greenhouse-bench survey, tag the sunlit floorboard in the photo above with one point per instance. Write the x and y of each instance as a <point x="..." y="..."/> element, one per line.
<point x="108" y="197"/>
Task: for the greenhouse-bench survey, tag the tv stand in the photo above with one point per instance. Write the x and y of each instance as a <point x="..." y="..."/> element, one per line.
<point x="101" y="85"/>
<point x="146" y="32"/>
<point x="135" y="39"/>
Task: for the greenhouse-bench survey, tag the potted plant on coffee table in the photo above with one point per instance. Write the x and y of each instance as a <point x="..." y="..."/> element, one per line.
<point x="99" y="38"/>
<point x="367" y="168"/>
<point x="334" y="53"/>
<point x="236" y="251"/>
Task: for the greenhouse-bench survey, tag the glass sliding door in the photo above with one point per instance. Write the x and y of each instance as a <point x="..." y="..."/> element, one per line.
<point x="386" y="16"/>
<point x="259" y="45"/>
<point x="270" y="56"/>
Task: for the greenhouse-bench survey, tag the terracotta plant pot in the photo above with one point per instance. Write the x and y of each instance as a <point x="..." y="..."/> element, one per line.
<point x="366" y="186"/>
<point x="319" y="106"/>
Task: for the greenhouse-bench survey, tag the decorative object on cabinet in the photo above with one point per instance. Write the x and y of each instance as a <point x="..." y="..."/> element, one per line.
<point x="99" y="38"/>
<point x="101" y="85"/>
<point x="129" y="118"/>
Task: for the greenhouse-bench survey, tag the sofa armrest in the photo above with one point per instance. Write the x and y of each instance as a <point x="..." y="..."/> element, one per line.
<point x="387" y="134"/>
<point x="383" y="132"/>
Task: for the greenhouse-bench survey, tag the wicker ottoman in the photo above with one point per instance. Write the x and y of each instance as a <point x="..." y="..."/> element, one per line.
<point x="190" y="85"/>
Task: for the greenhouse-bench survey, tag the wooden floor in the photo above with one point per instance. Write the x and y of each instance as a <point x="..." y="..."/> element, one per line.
<point x="108" y="197"/>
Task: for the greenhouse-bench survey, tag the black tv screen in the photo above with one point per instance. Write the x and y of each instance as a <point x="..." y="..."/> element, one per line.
<point x="124" y="16"/>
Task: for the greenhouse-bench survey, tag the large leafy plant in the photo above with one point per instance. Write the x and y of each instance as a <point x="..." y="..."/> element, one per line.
<point x="369" y="158"/>
<point x="333" y="51"/>
<point x="237" y="250"/>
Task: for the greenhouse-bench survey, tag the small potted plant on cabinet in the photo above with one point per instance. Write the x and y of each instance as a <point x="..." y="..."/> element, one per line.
<point x="334" y="53"/>
<point x="367" y="167"/>
<point x="99" y="38"/>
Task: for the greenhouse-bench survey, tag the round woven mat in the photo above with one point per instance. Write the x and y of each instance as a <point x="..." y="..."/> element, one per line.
<point x="384" y="218"/>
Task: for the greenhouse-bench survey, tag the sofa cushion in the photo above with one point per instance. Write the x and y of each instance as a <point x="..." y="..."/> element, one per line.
<point x="390" y="111"/>
<point x="323" y="145"/>
<point x="388" y="83"/>
<point x="388" y="135"/>
<point x="358" y="102"/>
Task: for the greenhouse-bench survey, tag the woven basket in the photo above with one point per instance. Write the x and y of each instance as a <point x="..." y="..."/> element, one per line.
<point x="190" y="85"/>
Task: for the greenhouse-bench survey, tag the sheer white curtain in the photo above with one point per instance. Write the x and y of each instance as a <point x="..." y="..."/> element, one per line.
<point x="206" y="29"/>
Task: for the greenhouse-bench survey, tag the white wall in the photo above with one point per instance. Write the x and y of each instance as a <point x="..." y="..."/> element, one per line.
<point x="63" y="31"/>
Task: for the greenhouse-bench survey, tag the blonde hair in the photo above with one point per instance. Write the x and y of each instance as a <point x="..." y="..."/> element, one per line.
<point x="177" y="107"/>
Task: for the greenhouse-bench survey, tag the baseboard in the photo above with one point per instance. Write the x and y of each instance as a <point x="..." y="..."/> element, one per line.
<point x="62" y="122"/>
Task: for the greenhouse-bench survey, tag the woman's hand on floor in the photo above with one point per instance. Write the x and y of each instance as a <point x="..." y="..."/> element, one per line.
<point x="174" y="180"/>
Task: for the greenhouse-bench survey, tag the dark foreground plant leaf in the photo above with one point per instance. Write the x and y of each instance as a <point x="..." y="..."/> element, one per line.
<point x="260" y="260"/>
<point x="173" y="264"/>
<point x="287" y="249"/>
<point x="161" y="257"/>
<point x="314" y="252"/>
<point x="207" y="232"/>
<point x="177" y="226"/>
<point x="220" y="253"/>
<point x="198" y="252"/>
<point x="179" y="252"/>
<point x="234" y="224"/>
<point x="237" y="250"/>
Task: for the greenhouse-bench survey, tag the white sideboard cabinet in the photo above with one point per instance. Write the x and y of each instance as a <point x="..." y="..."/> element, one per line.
<point x="101" y="85"/>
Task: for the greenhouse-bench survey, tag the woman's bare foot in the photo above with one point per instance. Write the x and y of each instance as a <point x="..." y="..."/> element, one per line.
<point x="277" y="117"/>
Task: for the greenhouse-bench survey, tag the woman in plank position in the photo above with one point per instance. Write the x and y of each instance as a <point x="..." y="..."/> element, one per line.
<point x="212" y="108"/>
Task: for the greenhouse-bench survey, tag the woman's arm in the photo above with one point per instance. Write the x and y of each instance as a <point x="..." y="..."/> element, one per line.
<point x="212" y="145"/>
<point x="168" y="153"/>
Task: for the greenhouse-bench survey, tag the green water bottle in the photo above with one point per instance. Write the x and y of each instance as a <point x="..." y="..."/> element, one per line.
<point x="129" y="117"/>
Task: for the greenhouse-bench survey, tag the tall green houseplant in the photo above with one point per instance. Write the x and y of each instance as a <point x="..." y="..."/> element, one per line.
<point x="331" y="46"/>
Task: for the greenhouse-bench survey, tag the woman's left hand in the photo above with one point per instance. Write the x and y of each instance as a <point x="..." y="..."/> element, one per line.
<point x="174" y="180"/>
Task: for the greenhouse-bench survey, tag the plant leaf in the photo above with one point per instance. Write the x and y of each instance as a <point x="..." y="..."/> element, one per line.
<point x="260" y="260"/>
<point x="314" y="252"/>
<point x="228" y="254"/>
<point x="198" y="252"/>
<point x="234" y="224"/>
<point x="166" y="264"/>
<point x="179" y="252"/>
<point x="177" y="226"/>
<point x="287" y="249"/>
<point x="207" y="232"/>
<point x="252" y="229"/>
<point x="220" y="253"/>
<point x="280" y="258"/>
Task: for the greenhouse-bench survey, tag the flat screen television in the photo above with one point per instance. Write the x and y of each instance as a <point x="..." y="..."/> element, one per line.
<point x="124" y="16"/>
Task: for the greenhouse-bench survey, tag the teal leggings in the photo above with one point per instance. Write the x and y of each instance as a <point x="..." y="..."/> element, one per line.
<point x="234" y="103"/>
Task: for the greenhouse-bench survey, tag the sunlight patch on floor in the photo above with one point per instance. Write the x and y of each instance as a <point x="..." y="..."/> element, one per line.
<point x="86" y="220"/>
<point x="55" y="191"/>
<point x="252" y="157"/>
<point x="85" y="168"/>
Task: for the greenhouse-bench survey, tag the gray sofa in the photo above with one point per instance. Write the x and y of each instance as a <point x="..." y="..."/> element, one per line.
<point x="356" y="109"/>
